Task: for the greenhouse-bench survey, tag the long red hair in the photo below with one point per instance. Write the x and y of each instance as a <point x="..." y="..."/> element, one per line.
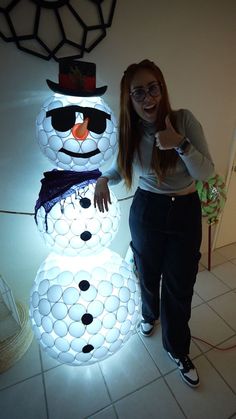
<point x="130" y="130"/>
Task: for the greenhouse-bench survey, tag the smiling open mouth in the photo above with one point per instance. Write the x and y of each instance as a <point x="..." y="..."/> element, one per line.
<point x="150" y="108"/>
<point x="83" y="155"/>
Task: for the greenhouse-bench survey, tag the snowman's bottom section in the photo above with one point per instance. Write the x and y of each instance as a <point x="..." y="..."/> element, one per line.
<point x="84" y="309"/>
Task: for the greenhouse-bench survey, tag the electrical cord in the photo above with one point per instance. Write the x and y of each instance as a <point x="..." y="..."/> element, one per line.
<point x="32" y="213"/>
<point x="227" y="348"/>
<point x="16" y="212"/>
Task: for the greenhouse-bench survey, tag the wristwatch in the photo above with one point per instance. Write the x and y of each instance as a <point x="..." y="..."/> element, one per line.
<point x="182" y="146"/>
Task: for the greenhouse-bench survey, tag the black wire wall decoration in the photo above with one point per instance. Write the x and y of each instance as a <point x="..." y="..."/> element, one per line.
<point x="55" y="28"/>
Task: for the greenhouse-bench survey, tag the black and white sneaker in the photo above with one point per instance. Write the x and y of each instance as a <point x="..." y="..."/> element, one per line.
<point x="187" y="370"/>
<point x="146" y="329"/>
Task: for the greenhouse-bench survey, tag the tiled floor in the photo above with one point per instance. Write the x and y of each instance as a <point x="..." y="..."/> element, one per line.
<point x="140" y="381"/>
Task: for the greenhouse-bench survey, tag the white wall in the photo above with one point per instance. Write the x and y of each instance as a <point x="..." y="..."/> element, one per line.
<point x="193" y="41"/>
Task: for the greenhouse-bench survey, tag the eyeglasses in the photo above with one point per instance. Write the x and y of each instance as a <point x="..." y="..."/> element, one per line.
<point x="140" y="93"/>
<point x="63" y="119"/>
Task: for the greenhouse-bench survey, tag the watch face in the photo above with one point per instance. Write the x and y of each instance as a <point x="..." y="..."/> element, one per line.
<point x="184" y="145"/>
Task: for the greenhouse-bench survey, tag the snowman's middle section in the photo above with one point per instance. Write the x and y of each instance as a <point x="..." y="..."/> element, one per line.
<point x="74" y="226"/>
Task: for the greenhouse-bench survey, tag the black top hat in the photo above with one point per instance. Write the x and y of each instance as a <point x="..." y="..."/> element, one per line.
<point x="76" y="78"/>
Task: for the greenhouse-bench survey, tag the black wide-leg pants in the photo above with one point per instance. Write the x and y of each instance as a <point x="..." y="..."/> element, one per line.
<point x="166" y="236"/>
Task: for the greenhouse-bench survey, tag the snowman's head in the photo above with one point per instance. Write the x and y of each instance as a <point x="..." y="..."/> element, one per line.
<point x="76" y="133"/>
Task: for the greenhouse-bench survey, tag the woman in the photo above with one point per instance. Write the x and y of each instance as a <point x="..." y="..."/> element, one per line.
<point x="168" y="151"/>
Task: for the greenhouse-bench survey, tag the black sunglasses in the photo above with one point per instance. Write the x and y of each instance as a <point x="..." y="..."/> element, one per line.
<point x="64" y="119"/>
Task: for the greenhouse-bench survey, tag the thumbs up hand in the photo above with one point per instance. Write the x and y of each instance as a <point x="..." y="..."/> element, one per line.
<point x="168" y="138"/>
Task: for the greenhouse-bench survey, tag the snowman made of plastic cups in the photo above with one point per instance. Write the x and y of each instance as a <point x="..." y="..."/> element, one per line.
<point x="85" y="301"/>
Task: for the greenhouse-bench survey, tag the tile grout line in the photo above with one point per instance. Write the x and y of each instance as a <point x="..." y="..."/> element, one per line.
<point x="149" y="353"/>
<point x="208" y="305"/>
<point x="108" y="392"/>
<point x="227" y="324"/>
<point x="213" y="298"/>
<point x="219" y="373"/>
<point x="20" y="381"/>
<point x="139" y="388"/>
<point x="132" y="392"/>
<point x="101" y="410"/>
<point x="173" y="395"/>
<point x="221" y="280"/>
<point x="136" y="390"/>
<point x="226" y="259"/>
<point x="217" y="277"/>
<point x="44" y="385"/>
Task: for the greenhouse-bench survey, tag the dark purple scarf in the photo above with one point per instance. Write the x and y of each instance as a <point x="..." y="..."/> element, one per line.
<point x="59" y="184"/>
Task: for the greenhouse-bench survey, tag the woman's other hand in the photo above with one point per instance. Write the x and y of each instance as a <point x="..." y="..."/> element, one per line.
<point x="102" y="194"/>
<point x="168" y="138"/>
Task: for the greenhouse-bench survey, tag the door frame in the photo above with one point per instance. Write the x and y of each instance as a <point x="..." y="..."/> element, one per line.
<point x="228" y="179"/>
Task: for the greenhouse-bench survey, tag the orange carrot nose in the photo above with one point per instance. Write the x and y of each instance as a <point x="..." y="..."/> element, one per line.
<point x="80" y="131"/>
